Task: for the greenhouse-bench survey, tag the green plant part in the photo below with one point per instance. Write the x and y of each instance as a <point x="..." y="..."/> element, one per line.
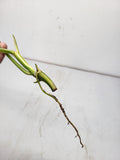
<point x="21" y="63"/>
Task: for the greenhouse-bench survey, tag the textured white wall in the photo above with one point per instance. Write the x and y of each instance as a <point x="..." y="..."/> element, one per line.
<point x="33" y="127"/>
<point x="82" y="34"/>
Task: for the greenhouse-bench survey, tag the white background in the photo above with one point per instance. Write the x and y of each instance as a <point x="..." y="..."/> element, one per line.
<point x="83" y="35"/>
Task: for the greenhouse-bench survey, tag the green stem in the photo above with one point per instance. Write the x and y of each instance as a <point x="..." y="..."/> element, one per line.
<point x="18" y="65"/>
<point x="24" y="63"/>
<point x="43" y="77"/>
<point x="7" y="51"/>
<point x="25" y="67"/>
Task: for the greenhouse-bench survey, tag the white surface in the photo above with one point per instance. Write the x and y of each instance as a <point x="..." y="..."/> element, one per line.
<point x="79" y="33"/>
<point x="83" y="34"/>
<point x="32" y="126"/>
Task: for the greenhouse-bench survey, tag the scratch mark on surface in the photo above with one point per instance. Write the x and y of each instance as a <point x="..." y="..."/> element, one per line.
<point x="41" y="122"/>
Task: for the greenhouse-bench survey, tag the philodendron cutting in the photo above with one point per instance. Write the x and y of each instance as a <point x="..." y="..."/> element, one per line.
<point x="39" y="75"/>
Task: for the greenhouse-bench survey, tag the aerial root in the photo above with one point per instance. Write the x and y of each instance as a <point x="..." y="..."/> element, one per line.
<point x="63" y="111"/>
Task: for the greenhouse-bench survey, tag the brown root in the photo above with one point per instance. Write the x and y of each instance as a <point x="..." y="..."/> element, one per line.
<point x="63" y="111"/>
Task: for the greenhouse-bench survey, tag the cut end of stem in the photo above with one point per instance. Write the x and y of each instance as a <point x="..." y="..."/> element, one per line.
<point x="43" y="77"/>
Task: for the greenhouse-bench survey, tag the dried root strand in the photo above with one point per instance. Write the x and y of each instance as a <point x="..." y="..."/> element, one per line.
<point x="63" y="111"/>
<point x="69" y="122"/>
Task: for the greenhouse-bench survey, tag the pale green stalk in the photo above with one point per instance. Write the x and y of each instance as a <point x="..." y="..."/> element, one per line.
<point x="39" y="75"/>
<point x="25" y="67"/>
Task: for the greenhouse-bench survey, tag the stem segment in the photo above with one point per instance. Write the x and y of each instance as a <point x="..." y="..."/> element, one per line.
<point x="39" y="75"/>
<point x="25" y="67"/>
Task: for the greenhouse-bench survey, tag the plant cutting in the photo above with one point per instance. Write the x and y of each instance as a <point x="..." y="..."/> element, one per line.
<point x="39" y="75"/>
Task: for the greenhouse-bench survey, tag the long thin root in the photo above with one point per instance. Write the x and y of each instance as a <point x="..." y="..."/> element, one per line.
<point x="63" y="111"/>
